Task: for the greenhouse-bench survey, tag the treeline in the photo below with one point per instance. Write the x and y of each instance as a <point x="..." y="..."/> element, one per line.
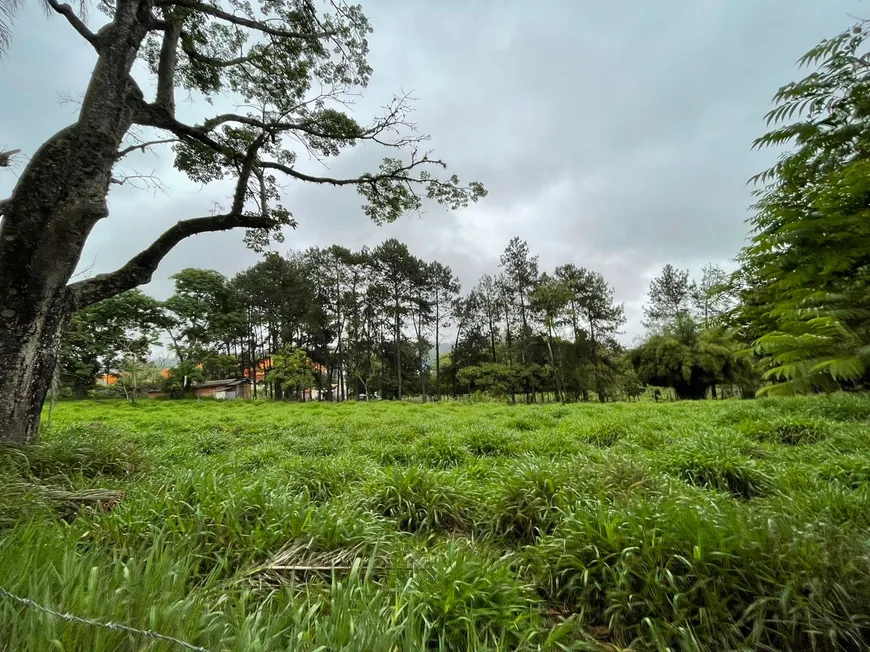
<point x="383" y="322"/>
<point x="792" y="318"/>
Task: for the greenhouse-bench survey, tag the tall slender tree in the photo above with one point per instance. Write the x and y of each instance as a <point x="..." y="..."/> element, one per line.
<point x="444" y="290"/>
<point x="670" y="297"/>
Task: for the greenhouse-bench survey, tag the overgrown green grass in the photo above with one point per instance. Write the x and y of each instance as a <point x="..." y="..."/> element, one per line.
<point x="257" y="526"/>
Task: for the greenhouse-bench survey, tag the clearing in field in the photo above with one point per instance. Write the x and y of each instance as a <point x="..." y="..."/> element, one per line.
<point x="262" y="526"/>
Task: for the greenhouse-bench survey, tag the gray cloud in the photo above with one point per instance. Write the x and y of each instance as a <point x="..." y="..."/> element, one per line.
<point x="614" y="135"/>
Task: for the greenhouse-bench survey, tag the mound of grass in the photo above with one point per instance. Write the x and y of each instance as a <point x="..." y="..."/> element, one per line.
<point x="463" y="595"/>
<point x="490" y="442"/>
<point x="527" y="499"/>
<point x="420" y="500"/>
<point x="716" y="463"/>
<point x="788" y="431"/>
<point x="438" y="450"/>
<point x="90" y="451"/>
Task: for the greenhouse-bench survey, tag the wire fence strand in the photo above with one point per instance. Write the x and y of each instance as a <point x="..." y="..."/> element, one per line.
<point x="115" y="627"/>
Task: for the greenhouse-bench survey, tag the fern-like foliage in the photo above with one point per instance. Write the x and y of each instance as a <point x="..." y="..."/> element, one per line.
<point x="805" y="273"/>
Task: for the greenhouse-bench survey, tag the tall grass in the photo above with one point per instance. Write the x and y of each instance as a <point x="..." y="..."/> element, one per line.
<point x="258" y="526"/>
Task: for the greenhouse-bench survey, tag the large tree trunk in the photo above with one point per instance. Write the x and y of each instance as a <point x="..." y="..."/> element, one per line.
<point x="27" y="362"/>
<point x="58" y="199"/>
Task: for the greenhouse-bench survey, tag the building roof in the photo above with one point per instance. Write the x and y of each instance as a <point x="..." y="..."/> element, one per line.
<point x="229" y="382"/>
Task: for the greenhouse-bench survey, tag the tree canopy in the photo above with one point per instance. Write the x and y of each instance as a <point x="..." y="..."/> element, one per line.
<point x="803" y="283"/>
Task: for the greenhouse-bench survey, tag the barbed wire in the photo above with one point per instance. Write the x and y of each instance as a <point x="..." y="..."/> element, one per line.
<point x="113" y="626"/>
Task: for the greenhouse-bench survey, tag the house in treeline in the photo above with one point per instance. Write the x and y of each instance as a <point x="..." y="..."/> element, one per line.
<point x="226" y="389"/>
<point x="107" y="380"/>
<point x="318" y="392"/>
<point x="243" y="385"/>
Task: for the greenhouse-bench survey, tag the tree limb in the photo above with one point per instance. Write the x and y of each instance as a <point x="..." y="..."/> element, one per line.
<point x="397" y="175"/>
<point x="166" y="65"/>
<point x="244" y="22"/>
<point x="194" y="55"/>
<point x="143" y="146"/>
<point x="139" y="269"/>
<point x="67" y="12"/>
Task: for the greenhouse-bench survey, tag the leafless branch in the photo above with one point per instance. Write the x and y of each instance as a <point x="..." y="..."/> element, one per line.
<point x="6" y="157"/>
<point x="66" y="98"/>
<point x="143" y="146"/>
<point x="86" y="270"/>
<point x="69" y="13"/>
<point x="141" y="181"/>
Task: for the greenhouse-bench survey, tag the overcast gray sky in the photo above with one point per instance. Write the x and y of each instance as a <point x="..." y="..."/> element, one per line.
<point x="612" y="134"/>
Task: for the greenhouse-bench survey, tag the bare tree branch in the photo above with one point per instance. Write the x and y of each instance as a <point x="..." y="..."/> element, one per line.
<point x="143" y="146"/>
<point x="6" y="157"/>
<point x="139" y="269"/>
<point x="69" y="13"/>
<point x="140" y="181"/>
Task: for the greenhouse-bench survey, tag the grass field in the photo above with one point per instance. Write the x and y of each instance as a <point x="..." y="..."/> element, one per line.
<point x="384" y="527"/>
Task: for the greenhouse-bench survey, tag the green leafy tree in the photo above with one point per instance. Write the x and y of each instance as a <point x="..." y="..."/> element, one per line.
<point x="100" y="336"/>
<point x="444" y="289"/>
<point x="206" y="315"/>
<point x="550" y="298"/>
<point x="670" y="297"/>
<point x="137" y="376"/>
<point x="713" y="297"/>
<point x="687" y="359"/>
<point x="288" y="65"/>
<point x="396" y="269"/>
<point x="291" y="369"/>
<point x="806" y="272"/>
<point x="182" y="378"/>
<point x="595" y="318"/>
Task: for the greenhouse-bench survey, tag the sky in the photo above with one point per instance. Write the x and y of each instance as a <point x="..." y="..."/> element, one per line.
<point x="612" y="134"/>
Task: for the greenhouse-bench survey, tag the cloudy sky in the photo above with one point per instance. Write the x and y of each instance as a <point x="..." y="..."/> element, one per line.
<point x="613" y="134"/>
